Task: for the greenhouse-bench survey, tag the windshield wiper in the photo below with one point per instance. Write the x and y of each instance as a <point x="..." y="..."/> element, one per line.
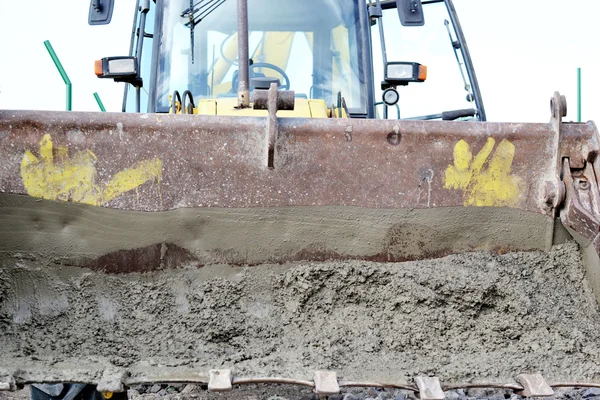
<point x="456" y="47"/>
<point x="202" y="9"/>
<point x="196" y="13"/>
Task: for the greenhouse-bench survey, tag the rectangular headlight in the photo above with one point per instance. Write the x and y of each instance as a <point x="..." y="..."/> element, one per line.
<point x="401" y="73"/>
<point x="121" y="66"/>
<point x="118" y="68"/>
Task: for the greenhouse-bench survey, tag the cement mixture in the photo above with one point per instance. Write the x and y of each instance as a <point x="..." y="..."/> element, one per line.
<point x="468" y="317"/>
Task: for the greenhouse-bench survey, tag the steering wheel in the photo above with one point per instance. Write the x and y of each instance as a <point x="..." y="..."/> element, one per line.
<point x="275" y="68"/>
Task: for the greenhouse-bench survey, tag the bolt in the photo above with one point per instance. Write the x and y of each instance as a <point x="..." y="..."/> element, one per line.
<point x="394" y="137"/>
<point x="583" y="184"/>
<point x="553" y="194"/>
<point x="348" y="133"/>
<point x="549" y="193"/>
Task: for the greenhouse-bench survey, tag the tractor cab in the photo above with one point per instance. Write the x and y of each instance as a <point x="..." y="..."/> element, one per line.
<point x="312" y="47"/>
<point x="335" y="55"/>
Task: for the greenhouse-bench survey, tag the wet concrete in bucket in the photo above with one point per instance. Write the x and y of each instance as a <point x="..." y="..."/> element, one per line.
<point x="468" y="317"/>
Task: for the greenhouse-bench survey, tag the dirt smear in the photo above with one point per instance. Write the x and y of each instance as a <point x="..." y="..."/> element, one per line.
<point x="468" y="317"/>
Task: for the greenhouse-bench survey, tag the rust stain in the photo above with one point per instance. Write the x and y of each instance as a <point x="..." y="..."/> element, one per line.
<point x="159" y="256"/>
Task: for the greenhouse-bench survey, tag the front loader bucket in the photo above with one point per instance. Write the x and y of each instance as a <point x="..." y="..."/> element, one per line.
<point x="154" y="248"/>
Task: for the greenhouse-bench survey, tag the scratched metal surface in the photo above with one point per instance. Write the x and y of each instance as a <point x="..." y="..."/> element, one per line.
<point x="161" y="162"/>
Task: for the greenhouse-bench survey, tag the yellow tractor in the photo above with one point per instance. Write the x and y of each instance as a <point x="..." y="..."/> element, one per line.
<point x="266" y="221"/>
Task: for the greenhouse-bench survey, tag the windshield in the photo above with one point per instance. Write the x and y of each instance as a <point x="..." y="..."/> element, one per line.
<point x="311" y="46"/>
<point x="446" y="87"/>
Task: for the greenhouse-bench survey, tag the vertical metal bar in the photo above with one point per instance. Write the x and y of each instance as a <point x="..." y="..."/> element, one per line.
<point x="61" y="71"/>
<point x="578" y="94"/>
<point x="139" y="51"/>
<point x="138" y="99"/>
<point x="156" y="65"/>
<point x="243" y="56"/>
<point x="69" y="96"/>
<point x="97" y="97"/>
<point x="131" y="42"/>
<point x="382" y="37"/>
<point x="466" y="58"/>
<point x="366" y="66"/>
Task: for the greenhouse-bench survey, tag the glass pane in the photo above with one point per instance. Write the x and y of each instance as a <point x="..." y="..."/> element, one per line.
<point x="429" y="45"/>
<point x="309" y="45"/>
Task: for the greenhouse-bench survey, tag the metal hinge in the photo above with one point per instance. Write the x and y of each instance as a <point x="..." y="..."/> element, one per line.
<point x="576" y="193"/>
<point x="375" y="12"/>
<point x="581" y="208"/>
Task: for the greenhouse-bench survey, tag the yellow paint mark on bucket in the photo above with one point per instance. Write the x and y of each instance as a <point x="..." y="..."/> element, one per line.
<point x="485" y="178"/>
<point x="74" y="178"/>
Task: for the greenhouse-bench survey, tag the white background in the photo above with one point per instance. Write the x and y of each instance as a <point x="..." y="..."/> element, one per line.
<point x="523" y="50"/>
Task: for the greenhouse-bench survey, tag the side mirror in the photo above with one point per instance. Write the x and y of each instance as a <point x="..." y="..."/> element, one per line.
<point x="100" y="12"/>
<point x="410" y="12"/>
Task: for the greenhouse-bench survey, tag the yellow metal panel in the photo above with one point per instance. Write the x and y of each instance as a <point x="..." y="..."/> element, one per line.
<point x="226" y="106"/>
<point x="301" y="110"/>
<point x="318" y="109"/>
<point x="206" y="107"/>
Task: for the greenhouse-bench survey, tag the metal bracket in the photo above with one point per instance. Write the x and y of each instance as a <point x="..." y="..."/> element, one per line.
<point x="284" y="101"/>
<point x="552" y="195"/>
<point x="375" y="11"/>
<point x="578" y="152"/>
<point x="429" y="388"/>
<point x="575" y="189"/>
<point x="582" y="202"/>
<point x="534" y="385"/>
<point x="326" y="382"/>
<point x="272" y="100"/>
<point x="220" y="380"/>
<point x="558" y="109"/>
<point x="271" y="125"/>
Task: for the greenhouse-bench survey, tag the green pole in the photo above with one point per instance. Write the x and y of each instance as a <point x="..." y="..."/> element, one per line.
<point x="97" y="97"/>
<point x="61" y="71"/>
<point x="578" y="94"/>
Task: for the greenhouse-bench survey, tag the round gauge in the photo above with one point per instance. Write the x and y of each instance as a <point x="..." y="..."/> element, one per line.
<point x="390" y="96"/>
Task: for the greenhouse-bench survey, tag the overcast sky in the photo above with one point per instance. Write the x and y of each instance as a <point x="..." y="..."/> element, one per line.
<point x="523" y="50"/>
